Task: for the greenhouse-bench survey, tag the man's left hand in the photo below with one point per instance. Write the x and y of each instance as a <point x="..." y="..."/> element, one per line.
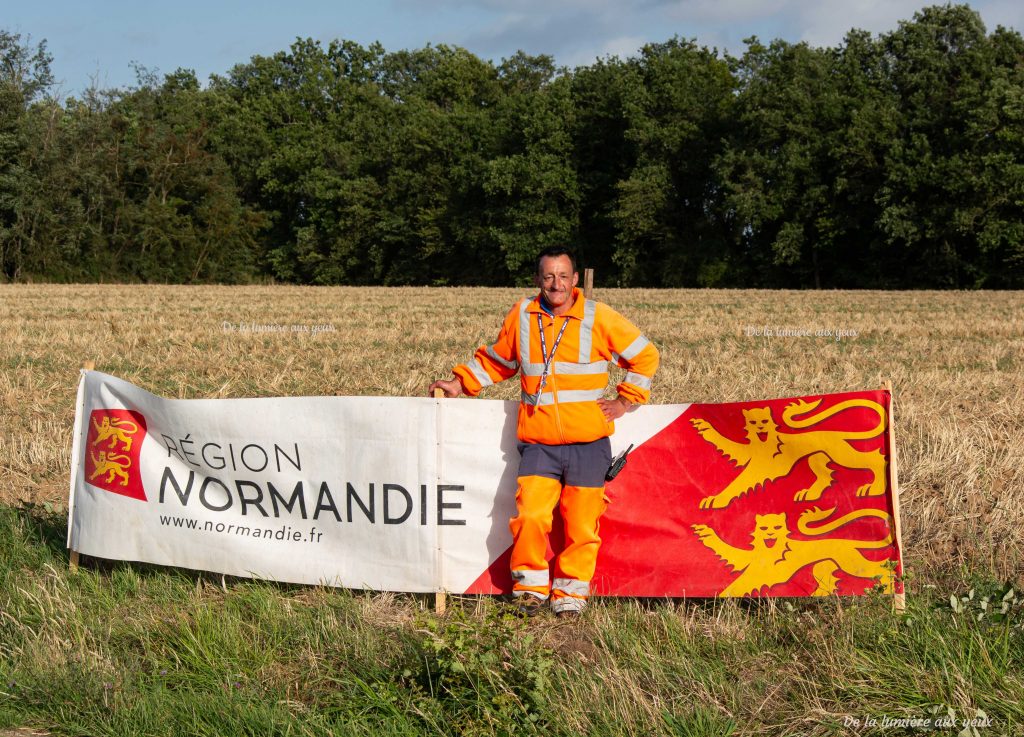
<point x="613" y="409"/>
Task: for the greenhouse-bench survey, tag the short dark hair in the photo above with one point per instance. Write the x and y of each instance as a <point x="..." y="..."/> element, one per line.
<point x="555" y="252"/>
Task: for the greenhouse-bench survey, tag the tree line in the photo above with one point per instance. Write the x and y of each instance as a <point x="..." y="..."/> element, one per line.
<point x="889" y="161"/>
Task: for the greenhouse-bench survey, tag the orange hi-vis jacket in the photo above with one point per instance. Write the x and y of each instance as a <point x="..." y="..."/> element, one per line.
<point x="565" y="410"/>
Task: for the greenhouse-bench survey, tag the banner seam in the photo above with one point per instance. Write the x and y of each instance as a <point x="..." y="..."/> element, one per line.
<point x="76" y="451"/>
<point x="438" y="528"/>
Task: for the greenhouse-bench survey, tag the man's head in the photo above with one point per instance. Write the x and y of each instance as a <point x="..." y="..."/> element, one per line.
<point x="554" y="252"/>
<point x="556" y="277"/>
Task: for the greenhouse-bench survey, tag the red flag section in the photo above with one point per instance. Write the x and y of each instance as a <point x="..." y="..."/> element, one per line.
<point x="112" y="451"/>
<point x="785" y="497"/>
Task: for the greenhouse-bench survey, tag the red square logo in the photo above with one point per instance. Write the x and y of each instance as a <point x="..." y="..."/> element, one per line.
<point x="112" y="451"/>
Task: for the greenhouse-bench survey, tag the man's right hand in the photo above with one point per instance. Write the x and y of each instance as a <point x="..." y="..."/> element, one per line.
<point x="451" y="388"/>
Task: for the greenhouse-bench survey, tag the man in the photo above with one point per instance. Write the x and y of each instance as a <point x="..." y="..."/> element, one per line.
<point x="560" y="343"/>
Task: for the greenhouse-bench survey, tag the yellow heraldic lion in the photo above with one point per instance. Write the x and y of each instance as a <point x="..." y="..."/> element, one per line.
<point x="775" y="558"/>
<point x="771" y="453"/>
<point x="115" y="466"/>
<point x="116" y="430"/>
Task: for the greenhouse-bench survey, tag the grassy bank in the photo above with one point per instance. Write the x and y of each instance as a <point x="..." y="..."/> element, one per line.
<point x="122" y="649"/>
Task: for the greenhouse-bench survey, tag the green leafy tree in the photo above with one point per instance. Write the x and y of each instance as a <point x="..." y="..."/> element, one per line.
<point x="274" y="137"/>
<point x="176" y="215"/>
<point x="531" y="185"/>
<point x="445" y="98"/>
<point x="25" y="77"/>
<point x="780" y="170"/>
<point x="951" y="197"/>
<point x="602" y="156"/>
<point x="893" y="161"/>
<point x="676" y="101"/>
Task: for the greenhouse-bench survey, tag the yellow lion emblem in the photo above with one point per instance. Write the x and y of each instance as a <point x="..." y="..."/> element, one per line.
<point x="774" y="558"/>
<point x="115" y="466"/>
<point x="771" y="453"/>
<point x="115" y="430"/>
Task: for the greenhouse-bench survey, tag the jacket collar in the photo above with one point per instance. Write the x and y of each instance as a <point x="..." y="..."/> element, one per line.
<point x="576" y="311"/>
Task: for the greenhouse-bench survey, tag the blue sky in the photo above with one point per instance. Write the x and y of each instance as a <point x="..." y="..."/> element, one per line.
<point x="99" y="41"/>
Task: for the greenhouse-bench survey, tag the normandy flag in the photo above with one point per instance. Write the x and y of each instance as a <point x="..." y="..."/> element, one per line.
<point x="784" y="497"/>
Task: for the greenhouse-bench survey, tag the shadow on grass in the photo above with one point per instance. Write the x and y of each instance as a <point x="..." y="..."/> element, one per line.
<point x="47" y="527"/>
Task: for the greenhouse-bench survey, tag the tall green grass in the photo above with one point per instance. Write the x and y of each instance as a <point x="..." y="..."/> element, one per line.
<point x="127" y="649"/>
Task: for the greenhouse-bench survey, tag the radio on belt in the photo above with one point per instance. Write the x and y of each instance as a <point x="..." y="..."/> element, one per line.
<point x="618" y="463"/>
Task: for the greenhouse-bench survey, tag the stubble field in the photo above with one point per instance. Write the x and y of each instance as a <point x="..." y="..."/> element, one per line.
<point x="956" y="361"/>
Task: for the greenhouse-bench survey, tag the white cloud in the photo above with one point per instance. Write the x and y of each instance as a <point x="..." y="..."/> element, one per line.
<point x="620" y="46"/>
<point x="725" y="11"/>
<point x="576" y="32"/>
<point x="558" y="29"/>
<point x="623" y="46"/>
<point x="826" y="23"/>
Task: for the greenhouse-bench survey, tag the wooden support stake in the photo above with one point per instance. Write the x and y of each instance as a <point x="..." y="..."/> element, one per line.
<point x="588" y="283"/>
<point x="900" y="599"/>
<point x="440" y="598"/>
<point x="89" y="365"/>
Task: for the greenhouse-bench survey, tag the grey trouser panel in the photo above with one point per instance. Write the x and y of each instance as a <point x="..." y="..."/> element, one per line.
<point x="574" y="464"/>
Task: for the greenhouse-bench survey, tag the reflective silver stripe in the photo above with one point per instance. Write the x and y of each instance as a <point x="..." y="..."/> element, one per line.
<point x="527" y="368"/>
<point x="583" y="366"/>
<point x="511" y="365"/>
<point x="587" y="330"/>
<point x="531" y="578"/>
<point x="564" y="397"/>
<point x="644" y="382"/>
<point x="571" y="586"/>
<point x="579" y="395"/>
<point x="568" y="604"/>
<point x="634" y="348"/>
<point x="532" y="369"/>
<point x="565" y="367"/>
<point x="478" y="371"/>
<point x="598" y="367"/>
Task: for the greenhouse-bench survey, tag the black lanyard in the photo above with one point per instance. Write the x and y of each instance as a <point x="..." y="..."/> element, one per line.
<point x="544" y="352"/>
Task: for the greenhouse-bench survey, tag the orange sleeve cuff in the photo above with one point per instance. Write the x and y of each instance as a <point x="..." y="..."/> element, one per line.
<point x="470" y="386"/>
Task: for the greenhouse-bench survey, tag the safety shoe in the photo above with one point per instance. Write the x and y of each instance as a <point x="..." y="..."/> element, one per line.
<point x="529" y="606"/>
<point x="568" y="606"/>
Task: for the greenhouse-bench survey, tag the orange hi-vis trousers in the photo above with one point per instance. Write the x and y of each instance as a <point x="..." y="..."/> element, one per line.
<point x="581" y="509"/>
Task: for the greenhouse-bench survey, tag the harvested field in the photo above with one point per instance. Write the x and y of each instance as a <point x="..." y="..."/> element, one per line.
<point x="956" y="360"/>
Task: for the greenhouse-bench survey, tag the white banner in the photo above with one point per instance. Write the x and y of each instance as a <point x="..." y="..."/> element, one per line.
<point x="386" y="493"/>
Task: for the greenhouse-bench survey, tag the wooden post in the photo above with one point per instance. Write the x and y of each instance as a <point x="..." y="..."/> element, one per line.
<point x="440" y="598"/>
<point x="588" y="283"/>
<point x="900" y="599"/>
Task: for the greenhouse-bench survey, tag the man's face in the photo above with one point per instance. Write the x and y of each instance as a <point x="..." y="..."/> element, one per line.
<point x="556" y="280"/>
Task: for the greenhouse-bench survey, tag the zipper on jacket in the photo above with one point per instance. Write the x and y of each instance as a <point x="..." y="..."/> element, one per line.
<point x="554" y="387"/>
